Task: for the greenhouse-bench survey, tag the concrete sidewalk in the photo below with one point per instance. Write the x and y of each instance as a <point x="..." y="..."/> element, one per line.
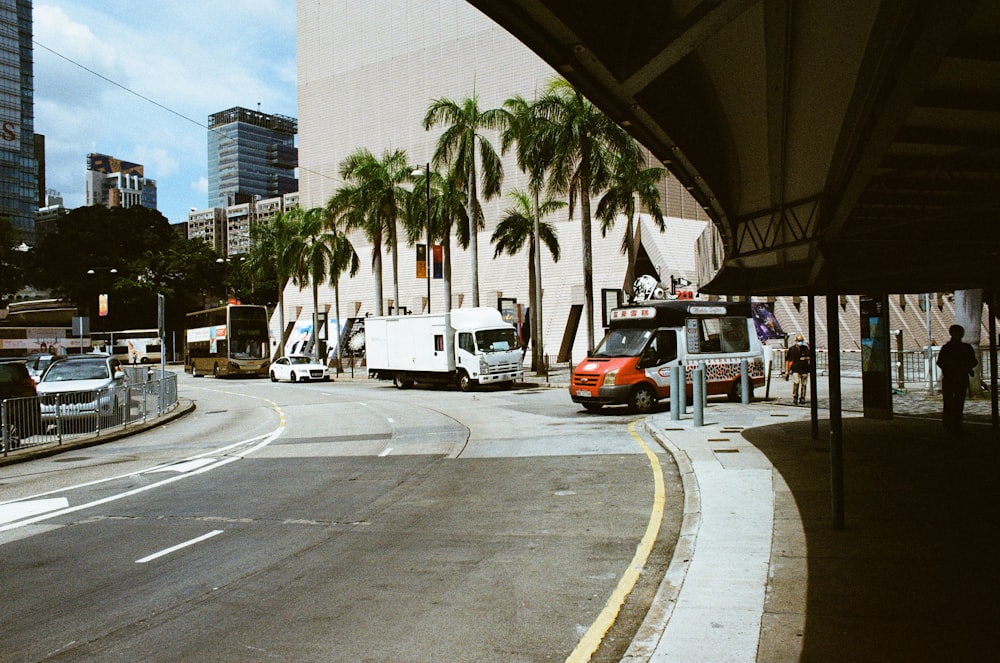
<point x="760" y="574"/>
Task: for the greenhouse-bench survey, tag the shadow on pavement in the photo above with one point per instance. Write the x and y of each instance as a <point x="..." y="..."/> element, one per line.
<point x="914" y="575"/>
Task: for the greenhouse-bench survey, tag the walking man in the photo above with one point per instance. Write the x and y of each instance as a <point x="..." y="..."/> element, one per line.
<point x="798" y="365"/>
<point x="956" y="360"/>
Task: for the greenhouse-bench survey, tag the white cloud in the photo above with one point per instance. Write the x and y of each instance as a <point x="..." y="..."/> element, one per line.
<point x="189" y="58"/>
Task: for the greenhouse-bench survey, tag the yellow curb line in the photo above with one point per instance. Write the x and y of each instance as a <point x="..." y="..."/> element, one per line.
<point x="592" y="639"/>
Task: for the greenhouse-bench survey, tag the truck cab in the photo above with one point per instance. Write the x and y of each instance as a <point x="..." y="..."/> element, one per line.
<point x="632" y="364"/>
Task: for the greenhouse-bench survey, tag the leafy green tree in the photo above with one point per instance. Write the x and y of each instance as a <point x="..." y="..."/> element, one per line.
<point x="456" y="148"/>
<point x="578" y="140"/>
<point x="148" y="258"/>
<point x="517" y="228"/>
<point x="630" y="184"/>
<point x="373" y="200"/>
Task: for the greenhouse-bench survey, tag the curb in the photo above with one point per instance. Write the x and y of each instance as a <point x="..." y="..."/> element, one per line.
<point x="650" y="632"/>
<point x="184" y="407"/>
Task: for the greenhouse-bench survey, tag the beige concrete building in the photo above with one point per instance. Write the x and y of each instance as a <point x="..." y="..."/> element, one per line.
<point x="367" y="72"/>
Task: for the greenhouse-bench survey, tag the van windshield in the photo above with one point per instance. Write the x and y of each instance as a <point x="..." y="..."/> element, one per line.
<point x="623" y="343"/>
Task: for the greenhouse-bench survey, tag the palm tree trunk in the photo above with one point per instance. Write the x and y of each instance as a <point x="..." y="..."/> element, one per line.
<point x="318" y="350"/>
<point x="537" y="346"/>
<point x="336" y="308"/>
<point x="446" y="268"/>
<point x="394" y="247"/>
<point x="588" y="258"/>
<point x="474" y="233"/>
<point x="280" y="350"/>
<point x="378" y="281"/>
<point x="632" y="255"/>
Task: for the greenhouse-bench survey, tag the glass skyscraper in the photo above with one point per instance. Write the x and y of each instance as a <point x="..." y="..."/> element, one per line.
<point x="18" y="168"/>
<point x="250" y="154"/>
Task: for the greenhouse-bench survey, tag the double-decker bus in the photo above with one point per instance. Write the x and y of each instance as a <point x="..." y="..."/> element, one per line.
<point x="129" y="346"/>
<point x="227" y="340"/>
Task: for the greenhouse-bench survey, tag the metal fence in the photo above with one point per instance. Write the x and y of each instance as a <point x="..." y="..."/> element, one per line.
<point x="55" y="418"/>
<point x="909" y="368"/>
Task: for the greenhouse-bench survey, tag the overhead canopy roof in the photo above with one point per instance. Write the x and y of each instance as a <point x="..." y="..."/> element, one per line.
<point x="838" y="145"/>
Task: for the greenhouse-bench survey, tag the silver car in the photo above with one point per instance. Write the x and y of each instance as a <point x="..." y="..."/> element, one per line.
<point x="82" y="385"/>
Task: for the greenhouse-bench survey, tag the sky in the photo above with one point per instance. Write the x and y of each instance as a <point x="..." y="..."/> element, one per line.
<point x="187" y="58"/>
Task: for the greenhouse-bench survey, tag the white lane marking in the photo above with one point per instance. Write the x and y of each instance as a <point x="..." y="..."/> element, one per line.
<point x="167" y="551"/>
<point x="184" y="466"/>
<point x="386" y="452"/>
<point x="17" y="510"/>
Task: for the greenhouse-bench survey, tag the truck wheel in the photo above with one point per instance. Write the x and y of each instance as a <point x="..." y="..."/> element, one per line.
<point x="642" y="399"/>
<point x="593" y="407"/>
<point x="465" y="383"/>
<point x="194" y="371"/>
<point x="401" y="383"/>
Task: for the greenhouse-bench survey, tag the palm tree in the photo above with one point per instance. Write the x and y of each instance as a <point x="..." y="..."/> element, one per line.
<point x="629" y="183"/>
<point x="456" y="148"/>
<point x="517" y="227"/>
<point x="310" y="256"/>
<point x="373" y="200"/>
<point x="343" y="258"/>
<point x="523" y="125"/>
<point x="267" y="256"/>
<point x="577" y="139"/>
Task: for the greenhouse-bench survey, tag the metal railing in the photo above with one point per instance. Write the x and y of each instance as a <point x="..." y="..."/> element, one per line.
<point x="54" y="418"/>
<point x="908" y="368"/>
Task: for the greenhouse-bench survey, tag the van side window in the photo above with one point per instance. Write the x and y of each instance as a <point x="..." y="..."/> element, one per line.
<point x="715" y="335"/>
<point x="666" y="343"/>
<point x="439" y="342"/>
<point x="465" y="342"/>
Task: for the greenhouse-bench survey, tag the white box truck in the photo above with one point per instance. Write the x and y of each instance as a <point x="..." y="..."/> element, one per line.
<point x="466" y="347"/>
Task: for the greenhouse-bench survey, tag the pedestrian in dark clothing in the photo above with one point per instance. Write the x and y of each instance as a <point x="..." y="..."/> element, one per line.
<point x="956" y="360"/>
<point x="798" y="365"/>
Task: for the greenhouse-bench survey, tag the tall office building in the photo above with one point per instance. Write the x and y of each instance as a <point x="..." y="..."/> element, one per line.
<point x="115" y="183"/>
<point x="251" y="155"/>
<point x="18" y="167"/>
<point x="367" y="73"/>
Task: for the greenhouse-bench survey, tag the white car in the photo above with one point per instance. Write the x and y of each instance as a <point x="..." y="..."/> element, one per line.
<point x="298" y="368"/>
<point x="83" y="385"/>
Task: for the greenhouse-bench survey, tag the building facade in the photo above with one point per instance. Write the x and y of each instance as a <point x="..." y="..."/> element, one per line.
<point x="18" y="166"/>
<point x="227" y="229"/>
<point x="367" y="73"/>
<point x="115" y="183"/>
<point x="250" y="154"/>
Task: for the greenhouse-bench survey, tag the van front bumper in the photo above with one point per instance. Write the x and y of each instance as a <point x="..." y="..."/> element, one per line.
<point x="613" y="395"/>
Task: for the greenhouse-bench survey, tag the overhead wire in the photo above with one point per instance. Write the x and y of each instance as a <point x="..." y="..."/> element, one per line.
<point x="162" y="106"/>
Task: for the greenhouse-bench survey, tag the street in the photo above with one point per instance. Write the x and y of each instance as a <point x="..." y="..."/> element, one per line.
<point x="337" y="521"/>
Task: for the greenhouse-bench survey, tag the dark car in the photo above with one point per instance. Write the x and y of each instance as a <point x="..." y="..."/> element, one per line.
<point x="20" y="412"/>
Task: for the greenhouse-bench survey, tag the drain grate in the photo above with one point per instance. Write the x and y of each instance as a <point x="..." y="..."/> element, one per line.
<point x="74" y="459"/>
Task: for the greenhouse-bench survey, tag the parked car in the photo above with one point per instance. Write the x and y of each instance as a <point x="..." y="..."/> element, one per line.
<point x="82" y="385"/>
<point x="20" y="405"/>
<point x="298" y="368"/>
<point x="37" y="362"/>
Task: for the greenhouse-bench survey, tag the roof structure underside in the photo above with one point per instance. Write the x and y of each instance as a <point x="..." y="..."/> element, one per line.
<point x="839" y="147"/>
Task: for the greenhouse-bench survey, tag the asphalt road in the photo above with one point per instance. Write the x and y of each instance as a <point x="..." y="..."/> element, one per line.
<point x="345" y="521"/>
